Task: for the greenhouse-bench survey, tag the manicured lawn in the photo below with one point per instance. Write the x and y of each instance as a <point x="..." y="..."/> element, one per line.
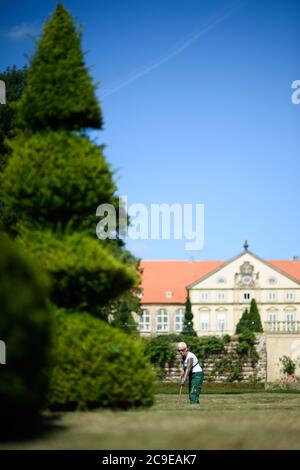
<point x="211" y="388"/>
<point x="240" y="421"/>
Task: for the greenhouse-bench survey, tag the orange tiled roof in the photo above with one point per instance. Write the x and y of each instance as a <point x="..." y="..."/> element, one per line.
<point x="290" y="267"/>
<point x="161" y="276"/>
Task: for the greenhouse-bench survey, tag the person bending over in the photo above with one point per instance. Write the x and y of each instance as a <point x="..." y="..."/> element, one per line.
<point x="192" y="370"/>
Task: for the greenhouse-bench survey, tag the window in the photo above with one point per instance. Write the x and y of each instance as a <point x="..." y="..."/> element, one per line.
<point x="221" y="280"/>
<point x="204" y="320"/>
<point x="144" y="323"/>
<point x="289" y="296"/>
<point x="162" y="320"/>
<point x="221" y="296"/>
<point x="169" y="294"/>
<point x="272" y="280"/>
<point x="289" y="317"/>
<point x="290" y="321"/>
<point x="246" y="296"/>
<point x="204" y="296"/>
<point x="272" y="321"/>
<point x="179" y="319"/>
<point x="221" y="322"/>
<point x="271" y="296"/>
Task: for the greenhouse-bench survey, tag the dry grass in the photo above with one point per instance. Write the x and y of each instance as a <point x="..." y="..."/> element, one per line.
<point x="247" y="421"/>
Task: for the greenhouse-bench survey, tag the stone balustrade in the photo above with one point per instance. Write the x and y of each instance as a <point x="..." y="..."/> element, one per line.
<point x="282" y="327"/>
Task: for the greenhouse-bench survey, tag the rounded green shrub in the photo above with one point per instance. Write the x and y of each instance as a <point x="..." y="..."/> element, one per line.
<point x="96" y="365"/>
<point x="161" y="351"/>
<point x="242" y="347"/>
<point x="84" y="273"/>
<point x="56" y="180"/>
<point x="205" y="345"/>
<point x="25" y="329"/>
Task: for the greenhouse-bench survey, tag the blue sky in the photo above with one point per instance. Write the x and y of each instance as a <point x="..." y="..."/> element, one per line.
<point x="196" y="97"/>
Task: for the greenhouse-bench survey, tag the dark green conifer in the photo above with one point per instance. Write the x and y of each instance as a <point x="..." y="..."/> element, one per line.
<point x="188" y="326"/>
<point x="254" y="318"/>
<point x="59" y="93"/>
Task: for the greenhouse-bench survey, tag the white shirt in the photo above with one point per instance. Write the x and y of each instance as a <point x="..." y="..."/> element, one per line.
<point x="196" y="368"/>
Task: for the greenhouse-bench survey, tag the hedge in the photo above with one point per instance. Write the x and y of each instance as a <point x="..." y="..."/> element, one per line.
<point x="96" y="365"/>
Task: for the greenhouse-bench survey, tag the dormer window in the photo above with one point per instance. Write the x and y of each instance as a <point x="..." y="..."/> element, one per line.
<point x="169" y="294"/>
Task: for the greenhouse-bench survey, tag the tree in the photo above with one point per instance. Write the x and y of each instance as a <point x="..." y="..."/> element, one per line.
<point x="250" y="320"/>
<point x="188" y="326"/>
<point x="59" y="92"/>
<point x="53" y="182"/>
<point x="288" y="366"/>
<point x="254" y="318"/>
<point x="243" y="323"/>
<point x="56" y="177"/>
<point x="14" y="80"/>
<point x="122" y="313"/>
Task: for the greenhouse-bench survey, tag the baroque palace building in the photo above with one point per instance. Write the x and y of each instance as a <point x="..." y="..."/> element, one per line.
<point x="219" y="292"/>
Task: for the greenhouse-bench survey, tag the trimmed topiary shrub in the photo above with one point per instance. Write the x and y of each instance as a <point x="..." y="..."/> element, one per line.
<point x="250" y="320"/>
<point x="96" y="365"/>
<point x="85" y="274"/>
<point x="59" y="92"/>
<point x="188" y="325"/>
<point x="254" y="318"/>
<point x="56" y="180"/>
<point x="25" y="328"/>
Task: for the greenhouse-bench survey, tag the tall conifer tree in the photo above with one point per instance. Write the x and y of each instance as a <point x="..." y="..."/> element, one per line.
<point x="59" y="92"/>
<point x="254" y="318"/>
<point x="56" y="177"/>
<point x="188" y="326"/>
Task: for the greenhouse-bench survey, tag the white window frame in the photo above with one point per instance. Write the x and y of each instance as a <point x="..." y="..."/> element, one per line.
<point x="272" y="319"/>
<point x="289" y="296"/>
<point x="290" y="318"/>
<point x="204" y="296"/>
<point x="145" y="321"/>
<point x="179" y="319"/>
<point x="271" y="296"/>
<point x="204" y="321"/>
<point x="162" y="320"/>
<point x="221" y="322"/>
<point x="221" y="296"/>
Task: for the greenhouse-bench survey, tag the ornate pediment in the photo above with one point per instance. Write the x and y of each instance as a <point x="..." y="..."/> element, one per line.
<point x="246" y="277"/>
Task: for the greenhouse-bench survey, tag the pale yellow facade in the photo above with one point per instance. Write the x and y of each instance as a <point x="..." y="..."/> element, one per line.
<point x="219" y="299"/>
<point x="279" y="345"/>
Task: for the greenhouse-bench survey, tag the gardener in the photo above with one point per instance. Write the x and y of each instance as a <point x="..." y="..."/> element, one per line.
<point x="192" y="370"/>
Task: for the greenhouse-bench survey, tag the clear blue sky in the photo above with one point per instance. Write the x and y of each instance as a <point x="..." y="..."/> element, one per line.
<point x="196" y="97"/>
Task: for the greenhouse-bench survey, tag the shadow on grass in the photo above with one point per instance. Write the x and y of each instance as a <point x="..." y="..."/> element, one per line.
<point x="22" y="430"/>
